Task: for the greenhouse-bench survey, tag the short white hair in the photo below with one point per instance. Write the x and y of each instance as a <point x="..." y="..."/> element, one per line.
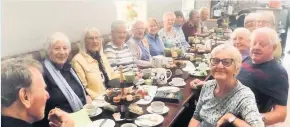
<point x="117" y="24"/>
<point x="167" y="14"/>
<point x="243" y="30"/>
<point x="137" y="22"/>
<point x="87" y="31"/>
<point x="235" y="54"/>
<point x="271" y="33"/>
<point x="252" y="16"/>
<point x="56" y="37"/>
<point x="269" y="16"/>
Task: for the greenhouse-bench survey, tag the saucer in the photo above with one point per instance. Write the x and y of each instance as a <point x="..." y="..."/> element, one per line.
<point x="98" y="112"/>
<point x="177" y="85"/>
<point x="165" y="110"/>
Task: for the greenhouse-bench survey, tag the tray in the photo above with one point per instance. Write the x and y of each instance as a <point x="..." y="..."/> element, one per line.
<point x="162" y="96"/>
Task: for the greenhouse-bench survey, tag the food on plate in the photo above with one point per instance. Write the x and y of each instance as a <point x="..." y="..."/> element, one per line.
<point x="136" y="109"/>
<point x="129" y="97"/>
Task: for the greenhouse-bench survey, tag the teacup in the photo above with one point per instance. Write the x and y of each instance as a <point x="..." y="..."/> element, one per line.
<point x="129" y="76"/>
<point x="147" y="73"/>
<point x="128" y="125"/>
<point x="90" y="109"/>
<point x="157" y="106"/>
<point x="177" y="81"/>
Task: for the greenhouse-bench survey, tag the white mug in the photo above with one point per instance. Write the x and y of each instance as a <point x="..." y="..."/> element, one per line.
<point x="157" y="61"/>
<point x="161" y="75"/>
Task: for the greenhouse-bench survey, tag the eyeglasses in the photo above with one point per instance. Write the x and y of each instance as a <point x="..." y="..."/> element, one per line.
<point x="226" y="62"/>
<point x="94" y="38"/>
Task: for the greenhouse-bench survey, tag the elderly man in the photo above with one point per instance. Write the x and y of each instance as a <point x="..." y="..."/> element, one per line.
<point x="192" y="26"/>
<point x="204" y="15"/>
<point x="23" y="96"/>
<point x="267" y="19"/>
<point x="139" y="46"/>
<point x="117" y="51"/>
<point x="250" y="21"/>
<point x="267" y="78"/>
<point x="178" y="21"/>
<point x="241" y="40"/>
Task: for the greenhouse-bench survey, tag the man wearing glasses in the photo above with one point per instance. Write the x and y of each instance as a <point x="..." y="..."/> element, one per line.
<point x="267" y="79"/>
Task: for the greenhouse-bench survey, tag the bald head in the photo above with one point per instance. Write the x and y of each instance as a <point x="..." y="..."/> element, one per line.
<point x="241" y="40"/>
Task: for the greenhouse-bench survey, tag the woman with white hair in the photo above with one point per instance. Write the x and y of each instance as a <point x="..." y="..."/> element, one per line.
<point x="241" y="40"/>
<point x="169" y="35"/>
<point x="223" y="99"/>
<point x="91" y="65"/>
<point x="63" y="85"/>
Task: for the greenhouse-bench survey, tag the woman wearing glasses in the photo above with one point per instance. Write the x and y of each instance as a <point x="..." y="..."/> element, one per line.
<point x="223" y="99"/>
<point x="91" y="65"/>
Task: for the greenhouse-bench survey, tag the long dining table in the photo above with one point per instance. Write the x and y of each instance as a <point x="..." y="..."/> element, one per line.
<point x="175" y="109"/>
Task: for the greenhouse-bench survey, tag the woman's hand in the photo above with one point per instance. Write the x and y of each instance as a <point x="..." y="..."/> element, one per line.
<point x="196" y="83"/>
<point x="225" y="119"/>
<point x="59" y="118"/>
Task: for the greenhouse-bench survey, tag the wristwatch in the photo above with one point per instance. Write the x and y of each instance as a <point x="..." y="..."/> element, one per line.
<point x="232" y="119"/>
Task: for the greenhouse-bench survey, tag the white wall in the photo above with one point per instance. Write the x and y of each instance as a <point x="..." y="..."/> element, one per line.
<point x="26" y="24"/>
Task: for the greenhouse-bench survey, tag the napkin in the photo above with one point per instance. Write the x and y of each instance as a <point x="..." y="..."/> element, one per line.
<point x="81" y="118"/>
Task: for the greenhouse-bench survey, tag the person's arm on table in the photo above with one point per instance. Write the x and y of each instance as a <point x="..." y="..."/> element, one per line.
<point x="59" y="118"/>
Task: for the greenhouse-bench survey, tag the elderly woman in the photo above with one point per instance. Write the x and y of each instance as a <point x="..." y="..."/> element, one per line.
<point x="169" y="35"/>
<point x="267" y="19"/>
<point x="156" y="46"/>
<point x="117" y="51"/>
<point x="91" y="65"/>
<point x="139" y="46"/>
<point x="224" y="98"/>
<point x="63" y="85"/>
<point x="241" y="40"/>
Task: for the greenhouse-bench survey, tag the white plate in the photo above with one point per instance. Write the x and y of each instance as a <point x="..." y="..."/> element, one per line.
<point x="99" y="103"/>
<point x="152" y="91"/>
<point x="165" y="110"/>
<point x="149" y="120"/>
<point x="177" y="85"/>
<point x="108" y="123"/>
<point x="98" y="112"/>
<point x="168" y="88"/>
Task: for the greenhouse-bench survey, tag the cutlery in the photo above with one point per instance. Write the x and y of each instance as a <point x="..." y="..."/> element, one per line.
<point x="102" y="123"/>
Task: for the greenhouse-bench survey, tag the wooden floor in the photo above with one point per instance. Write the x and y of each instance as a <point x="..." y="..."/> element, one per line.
<point x="286" y="64"/>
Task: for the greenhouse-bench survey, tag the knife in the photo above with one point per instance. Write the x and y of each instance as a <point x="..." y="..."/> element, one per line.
<point x="102" y="123"/>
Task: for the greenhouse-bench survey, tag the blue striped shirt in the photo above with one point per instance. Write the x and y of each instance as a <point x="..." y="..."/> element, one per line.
<point x="120" y="56"/>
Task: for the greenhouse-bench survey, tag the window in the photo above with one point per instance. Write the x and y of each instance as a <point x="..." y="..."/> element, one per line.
<point x="131" y="10"/>
<point x="187" y="6"/>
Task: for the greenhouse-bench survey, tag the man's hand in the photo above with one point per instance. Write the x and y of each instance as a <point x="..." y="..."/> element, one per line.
<point x="224" y="119"/>
<point x="59" y="118"/>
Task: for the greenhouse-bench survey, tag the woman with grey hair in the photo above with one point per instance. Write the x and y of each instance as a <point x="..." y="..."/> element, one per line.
<point x="224" y="98"/>
<point x="63" y="85"/>
<point x="91" y="65"/>
<point x="170" y="36"/>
